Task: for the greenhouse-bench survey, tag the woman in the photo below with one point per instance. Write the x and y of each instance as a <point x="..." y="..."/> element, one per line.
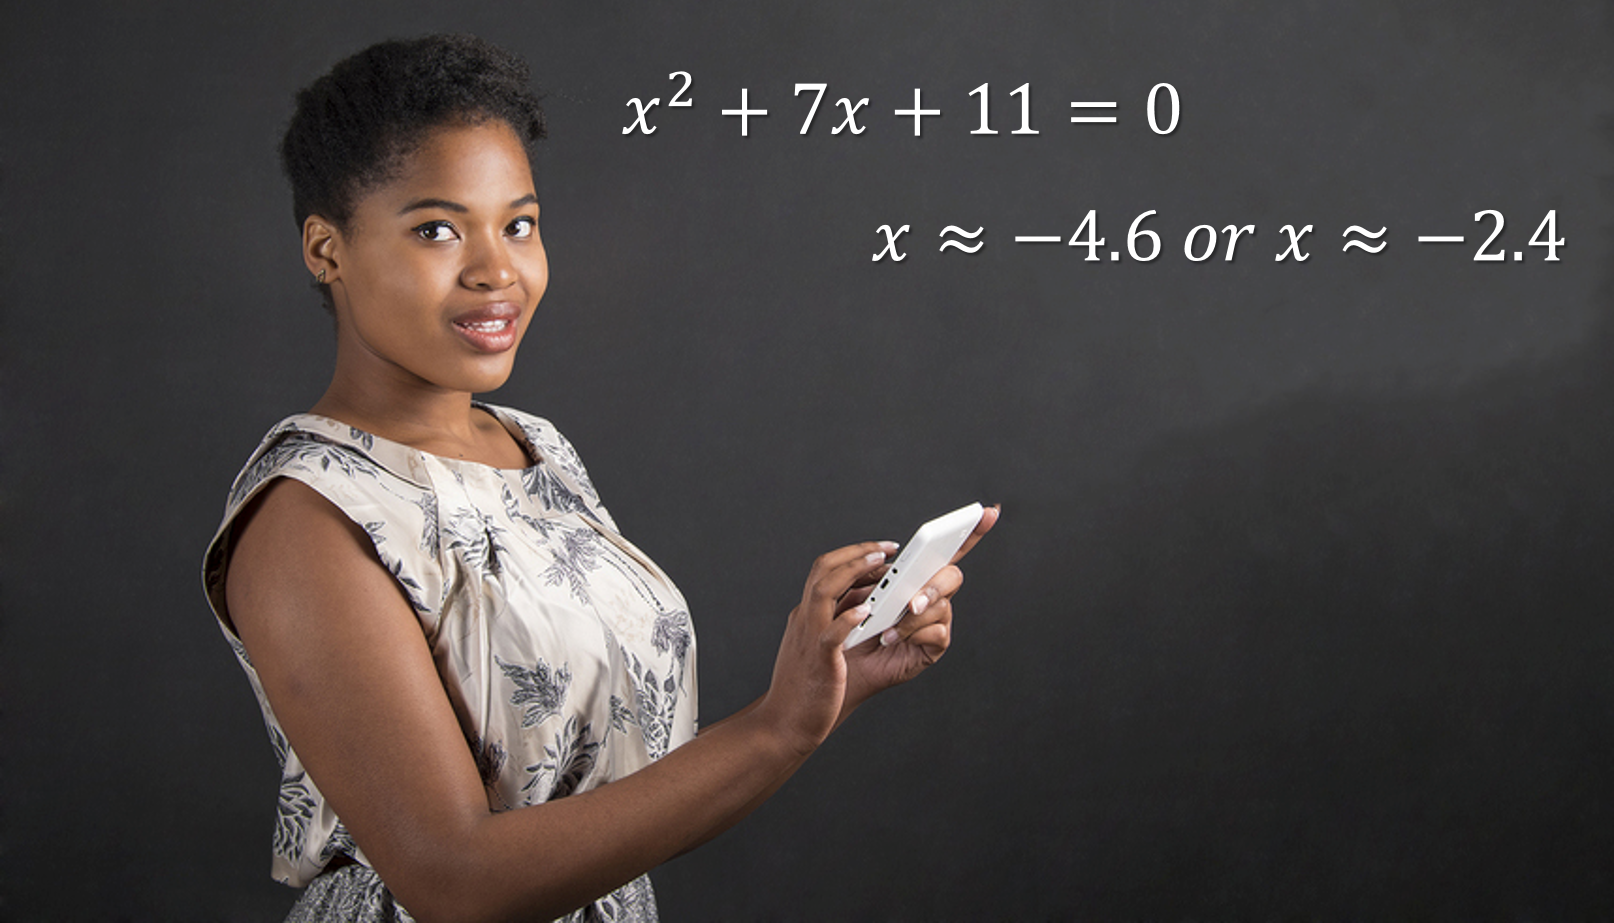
<point x="437" y="614"/>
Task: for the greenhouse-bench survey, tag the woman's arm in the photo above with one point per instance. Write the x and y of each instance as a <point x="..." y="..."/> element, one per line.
<point x="919" y="640"/>
<point x="351" y="680"/>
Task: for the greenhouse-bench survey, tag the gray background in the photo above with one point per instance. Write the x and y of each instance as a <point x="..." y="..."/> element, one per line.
<point x="1301" y="602"/>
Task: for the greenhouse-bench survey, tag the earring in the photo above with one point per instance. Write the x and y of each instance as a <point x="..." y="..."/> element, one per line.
<point x="320" y="279"/>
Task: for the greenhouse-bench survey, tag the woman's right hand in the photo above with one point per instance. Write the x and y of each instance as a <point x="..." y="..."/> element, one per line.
<point x="805" y="699"/>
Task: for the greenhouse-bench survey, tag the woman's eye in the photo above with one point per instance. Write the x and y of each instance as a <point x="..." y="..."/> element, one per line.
<point x="436" y="231"/>
<point x="522" y="227"/>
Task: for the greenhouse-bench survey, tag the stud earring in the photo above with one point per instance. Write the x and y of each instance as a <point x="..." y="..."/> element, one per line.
<point x="320" y="279"/>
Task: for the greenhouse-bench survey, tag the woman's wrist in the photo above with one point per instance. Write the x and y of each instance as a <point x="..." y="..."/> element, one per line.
<point x="780" y="732"/>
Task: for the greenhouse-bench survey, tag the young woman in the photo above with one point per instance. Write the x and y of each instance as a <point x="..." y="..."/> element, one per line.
<point x="437" y="614"/>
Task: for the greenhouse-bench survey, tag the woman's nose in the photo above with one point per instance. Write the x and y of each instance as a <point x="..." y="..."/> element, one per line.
<point x="489" y="267"/>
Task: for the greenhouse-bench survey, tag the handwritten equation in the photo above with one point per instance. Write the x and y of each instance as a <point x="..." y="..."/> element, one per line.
<point x="1204" y="241"/>
<point x="1162" y="109"/>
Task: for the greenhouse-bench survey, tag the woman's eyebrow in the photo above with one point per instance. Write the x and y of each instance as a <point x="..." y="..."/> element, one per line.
<point x="444" y="204"/>
<point x="447" y="205"/>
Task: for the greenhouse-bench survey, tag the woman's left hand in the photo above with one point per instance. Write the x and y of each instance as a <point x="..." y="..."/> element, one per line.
<point x="915" y="642"/>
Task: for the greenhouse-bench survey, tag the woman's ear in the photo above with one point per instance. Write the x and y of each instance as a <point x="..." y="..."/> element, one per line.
<point x="320" y="249"/>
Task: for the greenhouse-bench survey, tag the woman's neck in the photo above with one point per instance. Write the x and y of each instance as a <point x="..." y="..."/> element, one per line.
<point x="430" y="419"/>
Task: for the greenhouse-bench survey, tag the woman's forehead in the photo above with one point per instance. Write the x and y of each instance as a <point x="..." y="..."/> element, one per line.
<point x="476" y="165"/>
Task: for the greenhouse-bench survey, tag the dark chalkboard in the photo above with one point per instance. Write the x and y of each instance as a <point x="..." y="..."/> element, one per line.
<point x="1300" y="606"/>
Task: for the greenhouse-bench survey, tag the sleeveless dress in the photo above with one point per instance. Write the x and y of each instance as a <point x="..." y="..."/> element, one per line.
<point x="568" y="656"/>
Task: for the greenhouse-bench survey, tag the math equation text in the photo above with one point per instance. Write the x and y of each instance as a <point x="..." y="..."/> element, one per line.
<point x="1206" y="241"/>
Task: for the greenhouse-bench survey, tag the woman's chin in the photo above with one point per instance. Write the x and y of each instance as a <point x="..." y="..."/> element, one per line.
<point x="482" y="384"/>
<point x="484" y="374"/>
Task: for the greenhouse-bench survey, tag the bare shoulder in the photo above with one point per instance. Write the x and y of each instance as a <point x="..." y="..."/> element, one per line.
<point x="304" y="584"/>
<point x="285" y="509"/>
<point x="288" y="534"/>
<point x="347" y="670"/>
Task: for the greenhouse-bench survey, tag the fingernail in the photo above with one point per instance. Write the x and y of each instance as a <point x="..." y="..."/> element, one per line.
<point x="889" y="546"/>
<point x="859" y="612"/>
<point x="888" y="638"/>
<point x="874" y="557"/>
<point x="919" y="603"/>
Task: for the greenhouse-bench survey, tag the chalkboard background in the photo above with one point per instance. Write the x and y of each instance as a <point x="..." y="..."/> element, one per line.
<point x="1301" y="602"/>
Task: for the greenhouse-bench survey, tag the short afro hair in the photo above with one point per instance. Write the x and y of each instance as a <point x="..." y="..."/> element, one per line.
<point x="354" y="126"/>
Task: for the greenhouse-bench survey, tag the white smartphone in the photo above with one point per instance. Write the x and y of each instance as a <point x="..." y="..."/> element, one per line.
<point x="930" y="549"/>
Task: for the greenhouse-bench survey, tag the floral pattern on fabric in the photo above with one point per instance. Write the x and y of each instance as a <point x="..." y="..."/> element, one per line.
<point x="355" y="894"/>
<point x="566" y="653"/>
<point x="539" y="693"/>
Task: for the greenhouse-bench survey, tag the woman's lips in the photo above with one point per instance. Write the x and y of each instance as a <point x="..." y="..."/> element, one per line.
<point x="490" y="329"/>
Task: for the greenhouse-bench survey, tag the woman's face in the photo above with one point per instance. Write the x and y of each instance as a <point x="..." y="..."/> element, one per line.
<point x="440" y="270"/>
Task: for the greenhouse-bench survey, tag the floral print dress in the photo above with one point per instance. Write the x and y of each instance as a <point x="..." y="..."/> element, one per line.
<point x="567" y="655"/>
